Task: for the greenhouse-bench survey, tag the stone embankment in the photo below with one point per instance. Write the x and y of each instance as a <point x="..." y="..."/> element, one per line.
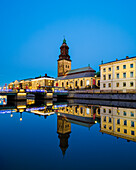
<point x="86" y="94"/>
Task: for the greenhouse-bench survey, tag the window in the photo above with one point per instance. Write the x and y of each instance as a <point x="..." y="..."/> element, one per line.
<point x="118" y="121"/>
<point x="124" y="75"/>
<point x="67" y="83"/>
<point x="87" y="111"/>
<point x="81" y="83"/>
<point x="109" y="68"/>
<point x="104" y="70"/>
<point x="81" y="110"/>
<point x="87" y="82"/>
<point x="104" y="77"/>
<point x="109" y="76"/>
<point x="104" y="126"/>
<point x="66" y="66"/>
<point x="118" y="112"/>
<point x="132" y="114"/>
<point x="124" y="66"/>
<point x="124" y="84"/>
<point x="104" y="110"/>
<point x="131" y="74"/>
<point x="110" y="128"/>
<point x="124" y="113"/>
<point x="62" y="84"/>
<point x="109" y="110"/>
<point x="131" y="65"/>
<point x="132" y="132"/>
<point x="132" y="124"/>
<point x="117" y="67"/>
<point x="131" y="84"/>
<point x="118" y="129"/>
<point x="75" y="83"/>
<point x="104" y="85"/>
<point x="104" y="119"/>
<point x="117" y="84"/>
<point x="109" y="120"/>
<point x="125" y="122"/>
<point x="109" y="84"/>
<point x="125" y="130"/>
<point x="117" y="75"/>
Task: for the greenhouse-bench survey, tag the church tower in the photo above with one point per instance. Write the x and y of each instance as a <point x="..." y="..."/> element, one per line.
<point x="64" y="61"/>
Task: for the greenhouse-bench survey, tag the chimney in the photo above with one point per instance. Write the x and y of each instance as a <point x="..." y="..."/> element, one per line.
<point x="116" y="59"/>
<point x="45" y="75"/>
<point x="127" y="56"/>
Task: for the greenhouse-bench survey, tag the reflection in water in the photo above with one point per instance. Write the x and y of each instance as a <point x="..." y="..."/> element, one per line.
<point x="63" y="130"/>
<point x="119" y="122"/>
<point x="115" y="121"/>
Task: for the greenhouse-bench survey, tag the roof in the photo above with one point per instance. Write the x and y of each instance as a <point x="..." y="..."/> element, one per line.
<point x="127" y="58"/>
<point x="78" y="75"/>
<point x="83" y="69"/>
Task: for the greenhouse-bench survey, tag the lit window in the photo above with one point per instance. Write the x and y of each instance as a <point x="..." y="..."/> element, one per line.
<point x="131" y="74"/>
<point x="117" y="75"/>
<point x="132" y="114"/>
<point x="131" y="65"/>
<point x="124" y="66"/>
<point x="118" y="129"/>
<point x="132" y="132"/>
<point x="104" y="77"/>
<point x="118" y="112"/>
<point x="125" y="130"/>
<point x="125" y="122"/>
<point x="117" y="84"/>
<point x="117" y="67"/>
<point x="124" y="84"/>
<point x="124" y="113"/>
<point x="132" y="124"/>
<point x="131" y="84"/>
<point x="118" y="121"/>
<point x="124" y="75"/>
<point x="109" y="84"/>
<point x="87" y="82"/>
<point x="104" y="85"/>
<point x="104" y="70"/>
<point x="109" y="68"/>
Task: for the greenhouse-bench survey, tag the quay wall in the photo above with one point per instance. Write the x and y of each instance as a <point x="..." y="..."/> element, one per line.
<point x="102" y="96"/>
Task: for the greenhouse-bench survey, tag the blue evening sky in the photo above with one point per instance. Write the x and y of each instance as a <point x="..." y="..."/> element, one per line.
<point x="31" y="33"/>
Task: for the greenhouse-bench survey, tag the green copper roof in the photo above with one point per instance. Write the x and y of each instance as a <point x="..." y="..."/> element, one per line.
<point x="64" y="41"/>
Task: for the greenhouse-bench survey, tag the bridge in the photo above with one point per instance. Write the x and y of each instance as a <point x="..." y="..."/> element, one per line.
<point x="22" y="94"/>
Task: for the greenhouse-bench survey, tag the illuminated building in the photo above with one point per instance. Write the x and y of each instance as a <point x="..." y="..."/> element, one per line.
<point x="119" y="122"/>
<point x="119" y="75"/>
<point x="84" y="77"/>
<point x="33" y="83"/>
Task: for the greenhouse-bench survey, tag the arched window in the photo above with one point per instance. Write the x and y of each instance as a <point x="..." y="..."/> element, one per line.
<point x="81" y="83"/>
<point x="87" y="82"/>
<point x="75" y="83"/>
<point x="62" y="84"/>
<point x="81" y="110"/>
<point x="76" y="109"/>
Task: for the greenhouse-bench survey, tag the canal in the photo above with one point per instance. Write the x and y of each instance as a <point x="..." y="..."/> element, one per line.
<point x="67" y="135"/>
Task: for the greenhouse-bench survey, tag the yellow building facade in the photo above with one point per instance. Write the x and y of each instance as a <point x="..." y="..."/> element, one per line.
<point x="119" y="75"/>
<point x="119" y="122"/>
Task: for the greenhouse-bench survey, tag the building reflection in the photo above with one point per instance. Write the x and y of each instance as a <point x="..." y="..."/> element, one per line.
<point x="63" y="130"/>
<point x="119" y="122"/>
